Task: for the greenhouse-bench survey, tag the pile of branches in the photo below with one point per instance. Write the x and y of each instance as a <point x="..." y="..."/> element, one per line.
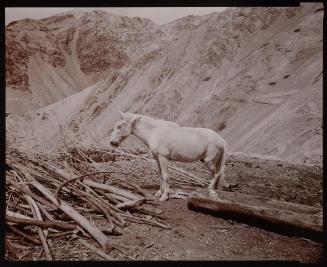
<point x="51" y="196"/>
<point x="177" y="175"/>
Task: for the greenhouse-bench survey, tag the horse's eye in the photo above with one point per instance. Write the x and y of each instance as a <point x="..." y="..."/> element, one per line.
<point x="118" y="126"/>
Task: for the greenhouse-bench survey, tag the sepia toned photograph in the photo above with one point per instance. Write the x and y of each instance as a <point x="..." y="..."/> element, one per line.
<point x="164" y="133"/>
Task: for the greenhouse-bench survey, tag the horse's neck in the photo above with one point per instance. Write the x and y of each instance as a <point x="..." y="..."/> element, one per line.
<point x="142" y="129"/>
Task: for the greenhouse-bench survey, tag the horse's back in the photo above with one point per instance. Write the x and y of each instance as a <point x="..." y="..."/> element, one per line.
<point x="187" y="134"/>
<point x="184" y="143"/>
<point x="206" y="134"/>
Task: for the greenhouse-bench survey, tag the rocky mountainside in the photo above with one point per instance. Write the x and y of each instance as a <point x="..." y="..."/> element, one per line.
<point x="52" y="58"/>
<point x="252" y="74"/>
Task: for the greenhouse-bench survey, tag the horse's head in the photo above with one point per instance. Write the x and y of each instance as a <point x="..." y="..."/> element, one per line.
<point x="122" y="128"/>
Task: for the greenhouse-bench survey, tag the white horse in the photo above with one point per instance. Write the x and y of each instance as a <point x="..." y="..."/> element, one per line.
<point x="168" y="141"/>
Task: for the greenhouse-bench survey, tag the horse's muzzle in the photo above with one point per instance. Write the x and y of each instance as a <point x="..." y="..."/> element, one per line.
<point x="114" y="143"/>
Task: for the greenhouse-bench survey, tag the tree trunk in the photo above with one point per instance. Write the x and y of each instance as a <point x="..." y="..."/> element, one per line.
<point x="275" y="214"/>
<point x="249" y="200"/>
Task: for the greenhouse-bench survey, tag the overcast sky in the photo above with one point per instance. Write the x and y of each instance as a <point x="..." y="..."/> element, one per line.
<point x="158" y="15"/>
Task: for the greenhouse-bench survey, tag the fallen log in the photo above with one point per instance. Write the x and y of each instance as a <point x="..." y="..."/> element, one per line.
<point x="117" y="197"/>
<point x="299" y="223"/>
<point x="249" y="200"/>
<point x="130" y="204"/>
<point x="108" y="197"/>
<point x="42" y="224"/>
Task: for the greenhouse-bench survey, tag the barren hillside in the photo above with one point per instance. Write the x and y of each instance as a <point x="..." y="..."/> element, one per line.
<point x="52" y="58"/>
<point x="253" y="74"/>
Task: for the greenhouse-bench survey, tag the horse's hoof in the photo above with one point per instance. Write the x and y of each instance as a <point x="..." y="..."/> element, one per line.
<point x="226" y="188"/>
<point x="229" y="187"/>
<point x="213" y="194"/>
<point x="163" y="198"/>
<point x="158" y="193"/>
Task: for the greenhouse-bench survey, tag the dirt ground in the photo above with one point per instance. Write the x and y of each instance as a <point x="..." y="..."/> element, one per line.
<point x="198" y="236"/>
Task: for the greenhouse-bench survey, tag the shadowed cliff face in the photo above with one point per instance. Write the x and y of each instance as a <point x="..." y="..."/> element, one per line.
<point x="252" y="74"/>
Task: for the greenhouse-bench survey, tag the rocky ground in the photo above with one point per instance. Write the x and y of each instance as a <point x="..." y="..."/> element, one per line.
<point x="197" y="236"/>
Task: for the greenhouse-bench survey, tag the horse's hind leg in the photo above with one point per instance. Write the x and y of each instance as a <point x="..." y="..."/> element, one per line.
<point x="213" y="184"/>
<point x="163" y="162"/>
<point x="220" y="170"/>
<point x="216" y="166"/>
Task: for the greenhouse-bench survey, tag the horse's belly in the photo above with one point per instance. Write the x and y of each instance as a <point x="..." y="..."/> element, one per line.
<point x="179" y="144"/>
<point x="187" y="153"/>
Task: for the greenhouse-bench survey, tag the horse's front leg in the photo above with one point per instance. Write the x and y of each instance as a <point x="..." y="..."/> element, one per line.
<point x="213" y="184"/>
<point x="159" y="192"/>
<point x="163" y="162"/>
